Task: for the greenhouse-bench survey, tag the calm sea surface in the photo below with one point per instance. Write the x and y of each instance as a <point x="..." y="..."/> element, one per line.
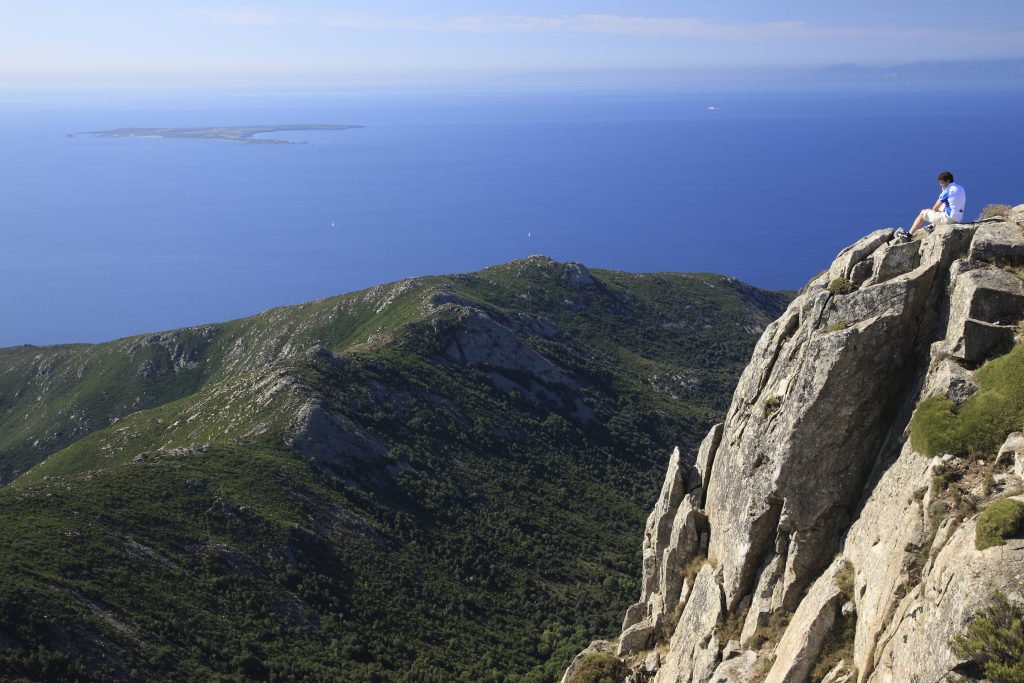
<point x="101" y="238"/>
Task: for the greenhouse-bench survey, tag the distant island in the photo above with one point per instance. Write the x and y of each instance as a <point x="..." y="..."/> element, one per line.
<point x="236" y="133"/>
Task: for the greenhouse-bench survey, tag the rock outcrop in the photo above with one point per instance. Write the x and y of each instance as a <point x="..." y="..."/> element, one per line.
<point x="807" y="539"/>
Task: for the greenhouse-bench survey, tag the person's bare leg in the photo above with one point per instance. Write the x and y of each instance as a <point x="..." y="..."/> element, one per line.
<point x="918" y="222"/>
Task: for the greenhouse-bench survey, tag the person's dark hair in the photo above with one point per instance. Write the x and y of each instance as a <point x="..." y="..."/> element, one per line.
<point x="946" y="177"/>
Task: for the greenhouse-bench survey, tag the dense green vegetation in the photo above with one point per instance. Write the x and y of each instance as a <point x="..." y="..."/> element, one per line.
<point x="365" y="488"/>
<point x="981" y="424"/>
<point x="999" y="521"/>
<point x="994" y="641"/>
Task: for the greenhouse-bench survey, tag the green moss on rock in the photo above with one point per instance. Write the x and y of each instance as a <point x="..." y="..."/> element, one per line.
<point x="982" y="423"/>
<point x="841" y="285"/>
<point x="1001" y="520"/>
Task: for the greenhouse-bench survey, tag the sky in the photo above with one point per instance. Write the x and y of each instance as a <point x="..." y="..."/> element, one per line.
<point x="313" y="42"/>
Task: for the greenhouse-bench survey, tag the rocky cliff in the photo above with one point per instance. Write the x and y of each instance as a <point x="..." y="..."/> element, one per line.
<point x="829" y="528"/>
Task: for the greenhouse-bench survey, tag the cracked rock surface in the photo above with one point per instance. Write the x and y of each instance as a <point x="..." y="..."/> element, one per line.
<point x="801" y="542"/>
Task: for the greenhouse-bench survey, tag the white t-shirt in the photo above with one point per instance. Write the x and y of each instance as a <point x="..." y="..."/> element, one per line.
<point x="955" y="199"/>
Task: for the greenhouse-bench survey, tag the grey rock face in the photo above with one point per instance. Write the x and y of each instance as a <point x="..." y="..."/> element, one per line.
<point x="768" y="460"/>
<point x="673" y="537"/>
<point x="802" y="641"/>
<point x="841" y="673"/>
<point x="577" y="274"/>
<point x="739" y="669"/>
<point x="894" y="259"/>
<point x="947" y="376"/>
<point x="855" y="253"/>
<point x="985" y="307"/>
<point x="999" y="243"/>
<point x="690" y="644"/>
<point x="810" y="492"/>
<point x="960" y="581"/>
<point x="1012" y="451"/>
<point x="480" y="340"/>
<point x="332" y="441"/>
<point x="635" y="638"/>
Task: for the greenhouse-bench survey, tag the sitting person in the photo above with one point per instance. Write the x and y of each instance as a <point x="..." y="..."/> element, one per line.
<point x="949" y="208"/>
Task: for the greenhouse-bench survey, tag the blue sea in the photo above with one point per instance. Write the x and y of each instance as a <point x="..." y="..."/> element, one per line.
<point x="102" y="238"/>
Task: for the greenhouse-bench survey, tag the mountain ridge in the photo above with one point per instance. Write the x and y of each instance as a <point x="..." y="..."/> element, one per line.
<point x="427" y="480"/>
<point x="180" y="355"/>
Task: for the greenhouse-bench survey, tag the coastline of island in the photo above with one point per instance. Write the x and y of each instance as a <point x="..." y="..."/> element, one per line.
<point x="243" y="134"/>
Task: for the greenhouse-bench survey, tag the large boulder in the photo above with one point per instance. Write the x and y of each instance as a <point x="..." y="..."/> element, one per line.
<point x="1012" y="451"/>
<point x="1000" y="242"/>
<point x="894" y="259"/>
<point x="848" y="258"/>
<point x="985" y="307"/>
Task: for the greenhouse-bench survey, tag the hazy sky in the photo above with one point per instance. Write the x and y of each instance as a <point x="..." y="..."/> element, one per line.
<point x="47" y="42"/>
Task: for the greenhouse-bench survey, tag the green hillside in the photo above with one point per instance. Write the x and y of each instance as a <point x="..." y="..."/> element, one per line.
<point x="438" y="479"/>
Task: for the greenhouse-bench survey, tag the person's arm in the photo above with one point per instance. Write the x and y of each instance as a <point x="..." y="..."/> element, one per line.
<point x="938" y="205"/>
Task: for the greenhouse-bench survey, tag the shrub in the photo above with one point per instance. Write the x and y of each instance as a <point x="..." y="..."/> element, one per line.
<point x="693" y="567"/>
<point x="982" y="423"/>
<point x="597" y="667"/>
<point x="772" y="404"/>
<point x="845" y="580"/>
<point x="993" y="210"/>
<point x="732" y="628"/>
<point x="837" y="646"/>
<point x="994" y="640"/>
<point x="1001" y="520"/>
<point x="942" y="477"/>
<point x="771" y="631"/>
<point x="841" y="285"/>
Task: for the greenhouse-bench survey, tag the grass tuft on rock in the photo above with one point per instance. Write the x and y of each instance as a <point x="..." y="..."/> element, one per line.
<point x="982" y="423"/>
<point x="845" y="580"/>
<point x="841" y="285"/>
<point x="1001" y="520"/>
<point x="995" y="210"/>
<point x="772" y="405"/>
<point x="994" y="641"/>
<point x="771" y="631"/>
<point x="693" y="567"/>
<point x="837" y="647"/>
<point x="597" y="667"/>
